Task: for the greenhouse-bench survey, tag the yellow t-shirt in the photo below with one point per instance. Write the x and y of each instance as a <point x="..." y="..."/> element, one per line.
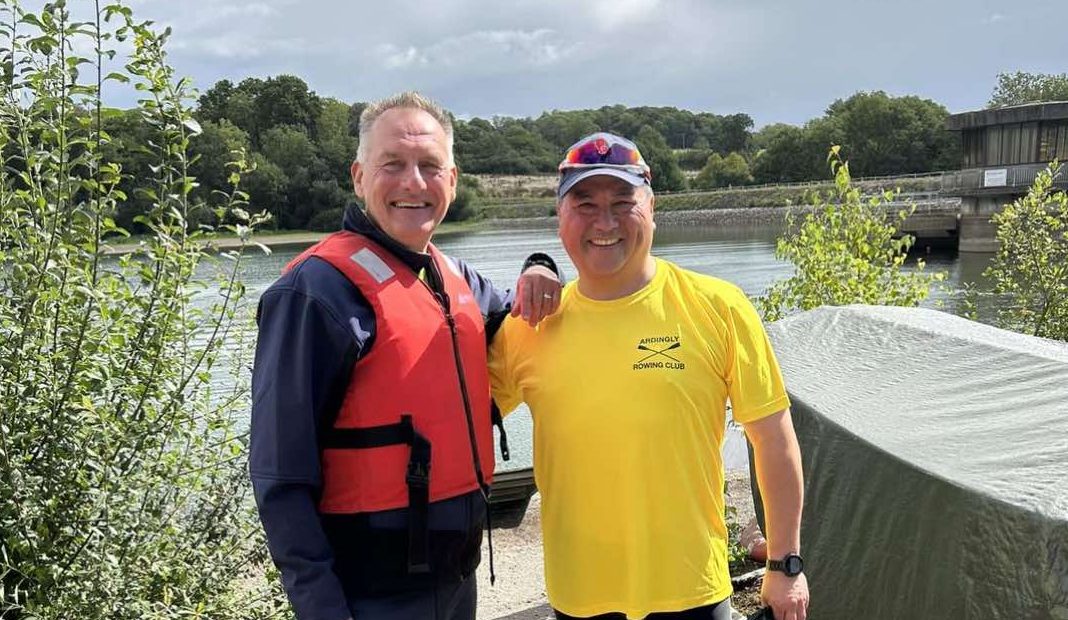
<point x="628" y="398"/>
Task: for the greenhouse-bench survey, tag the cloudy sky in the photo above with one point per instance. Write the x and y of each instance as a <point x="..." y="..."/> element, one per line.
<point x="777" y="60"/>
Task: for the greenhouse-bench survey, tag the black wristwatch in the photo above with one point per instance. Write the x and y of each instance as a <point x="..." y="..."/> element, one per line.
<point x="791" y="565"/>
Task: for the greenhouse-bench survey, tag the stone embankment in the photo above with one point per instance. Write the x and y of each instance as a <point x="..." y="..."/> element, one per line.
<point x="751" y="216"/>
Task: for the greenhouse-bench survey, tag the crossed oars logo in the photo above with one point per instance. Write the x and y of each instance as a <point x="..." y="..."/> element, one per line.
<point x="653" y="352"/>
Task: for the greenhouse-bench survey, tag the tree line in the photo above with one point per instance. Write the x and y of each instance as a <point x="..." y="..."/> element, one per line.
<point x="301" y="145"/>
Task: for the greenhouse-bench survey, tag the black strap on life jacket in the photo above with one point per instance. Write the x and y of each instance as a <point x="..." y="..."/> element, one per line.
<point x="498" y="421"/>
<point x="417" y="476"/>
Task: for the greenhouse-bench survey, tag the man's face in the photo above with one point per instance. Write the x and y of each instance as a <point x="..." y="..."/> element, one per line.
<point x="606" y="226"/>
<point x="406" y="180"/>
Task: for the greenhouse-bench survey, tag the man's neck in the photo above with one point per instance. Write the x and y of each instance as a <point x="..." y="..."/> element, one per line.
<point x="619" y="287"/>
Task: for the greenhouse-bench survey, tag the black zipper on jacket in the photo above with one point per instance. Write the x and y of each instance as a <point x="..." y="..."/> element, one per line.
<point x="443" y="300"/>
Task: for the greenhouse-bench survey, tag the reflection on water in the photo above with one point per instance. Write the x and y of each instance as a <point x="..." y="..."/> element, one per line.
<point x="744" y="255"/>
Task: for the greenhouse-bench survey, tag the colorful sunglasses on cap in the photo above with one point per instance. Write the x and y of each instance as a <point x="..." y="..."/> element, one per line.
<point x="602" y="154"/>
<point x="604" y="149"/>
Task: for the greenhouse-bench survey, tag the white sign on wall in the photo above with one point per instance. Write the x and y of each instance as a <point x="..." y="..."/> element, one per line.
<point x="996" y="178"/>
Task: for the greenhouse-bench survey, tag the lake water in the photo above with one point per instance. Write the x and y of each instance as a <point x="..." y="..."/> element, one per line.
<point x="744" y="255"/>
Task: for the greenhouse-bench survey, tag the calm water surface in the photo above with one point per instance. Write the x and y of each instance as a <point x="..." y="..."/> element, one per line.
<point x="744" y="255"/>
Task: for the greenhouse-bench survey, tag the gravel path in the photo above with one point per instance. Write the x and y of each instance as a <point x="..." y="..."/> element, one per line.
<point x="519" y="593"/>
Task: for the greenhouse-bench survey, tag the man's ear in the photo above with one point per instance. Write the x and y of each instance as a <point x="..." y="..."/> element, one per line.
<point x="357" y="178"/>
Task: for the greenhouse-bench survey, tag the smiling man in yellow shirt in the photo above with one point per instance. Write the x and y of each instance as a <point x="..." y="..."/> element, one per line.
<point x="628" y="385"/>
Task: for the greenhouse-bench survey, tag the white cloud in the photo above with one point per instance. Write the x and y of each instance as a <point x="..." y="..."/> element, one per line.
<point x="251" y="9"/>
<point x="394" y="57"/>
<point x="525" y="56"/>
<point x="610" y="14"/>
<point x="483" y="51"/>
<point x="238" y="47"/>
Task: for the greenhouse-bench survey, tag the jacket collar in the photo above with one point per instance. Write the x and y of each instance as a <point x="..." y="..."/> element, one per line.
<point x="357" y="221"/>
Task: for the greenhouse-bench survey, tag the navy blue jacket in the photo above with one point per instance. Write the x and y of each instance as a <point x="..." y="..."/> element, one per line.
<point x="314" y="324"/>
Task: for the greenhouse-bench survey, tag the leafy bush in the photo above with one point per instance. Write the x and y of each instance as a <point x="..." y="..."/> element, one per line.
<point x="468" y="195"/>
<point x="123" y="491"/>
<point x="327" y="221"/>
<point x="846" y="252"/>
<point x="1031" y="266"/>
<point x="721" y="171"/>
<point x="667" y="177"/>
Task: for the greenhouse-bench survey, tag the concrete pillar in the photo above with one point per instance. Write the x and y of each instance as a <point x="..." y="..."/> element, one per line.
<point x="977" y="232"/>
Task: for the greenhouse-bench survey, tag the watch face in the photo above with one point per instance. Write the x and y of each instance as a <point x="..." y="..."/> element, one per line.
<point x="792" y="565"/>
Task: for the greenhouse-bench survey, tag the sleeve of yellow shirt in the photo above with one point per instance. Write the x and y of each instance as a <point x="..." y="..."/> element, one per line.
<point x="754" y="380"/>
<point x="503" y="381"/>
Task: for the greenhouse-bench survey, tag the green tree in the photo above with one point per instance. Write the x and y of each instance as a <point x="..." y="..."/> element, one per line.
<point x="355" y="110"/>
<point x="730" y="133"/>
<point x="267" y="186"/>
<point x="123" y="486"/>
<point x="212" y="150"/>
<point x="289" y="147"/>
<point x="325" y="205"/>
<point x="236" y="104"/>
<point x="528" y="145"/>
<point x="845" y="251"/>
<point x="286" y="100"/>
<point x="1022" y="87"/>
<point x="735" y="171"/>
<point x="336" y="146"/>
<point x="1031" y="265"/>
<point x="723" y="171"/>
<point x="619" y="120"/>
<point x="661" y="159"/>
<point x="505" y="146"/>
<point x="787" y="153"/>
<point x="562" y="129"/>
<point x="468" y="196"/>
<point x="708" y="177"/>
<point x="213" y="105"/>
<point x="893" y="135"/>
<point x="294" y="153"/>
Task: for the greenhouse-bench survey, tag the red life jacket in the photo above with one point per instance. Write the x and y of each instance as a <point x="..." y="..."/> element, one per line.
<point x="423" y="382"/>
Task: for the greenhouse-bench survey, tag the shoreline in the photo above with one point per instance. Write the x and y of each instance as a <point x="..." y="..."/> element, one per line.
<point x="725" y="216"/>
<point x="754" y="216"/>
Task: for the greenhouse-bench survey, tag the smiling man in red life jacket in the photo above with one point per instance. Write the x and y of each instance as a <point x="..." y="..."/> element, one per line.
<point x="371" y="441"/>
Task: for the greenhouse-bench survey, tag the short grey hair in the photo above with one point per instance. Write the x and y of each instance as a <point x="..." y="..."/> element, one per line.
<point x="409" y="99"/>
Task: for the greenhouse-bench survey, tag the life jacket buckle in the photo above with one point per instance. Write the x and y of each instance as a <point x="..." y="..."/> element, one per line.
<point x="418" y="474"/>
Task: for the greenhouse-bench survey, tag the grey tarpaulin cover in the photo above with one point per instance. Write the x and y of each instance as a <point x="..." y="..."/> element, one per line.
<point x="935" y="454"/>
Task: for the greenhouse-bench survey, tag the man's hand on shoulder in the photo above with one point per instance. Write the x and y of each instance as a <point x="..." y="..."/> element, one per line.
<point x="537" y="294"/>
<point x="787" y="596"/>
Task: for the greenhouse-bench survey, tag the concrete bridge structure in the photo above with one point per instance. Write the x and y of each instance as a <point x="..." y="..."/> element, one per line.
<point x="934" y="223"/>
<point x="1004" y="149"/>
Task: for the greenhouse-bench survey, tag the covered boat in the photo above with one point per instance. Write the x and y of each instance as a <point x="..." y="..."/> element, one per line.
<point x="935" y="452"/>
